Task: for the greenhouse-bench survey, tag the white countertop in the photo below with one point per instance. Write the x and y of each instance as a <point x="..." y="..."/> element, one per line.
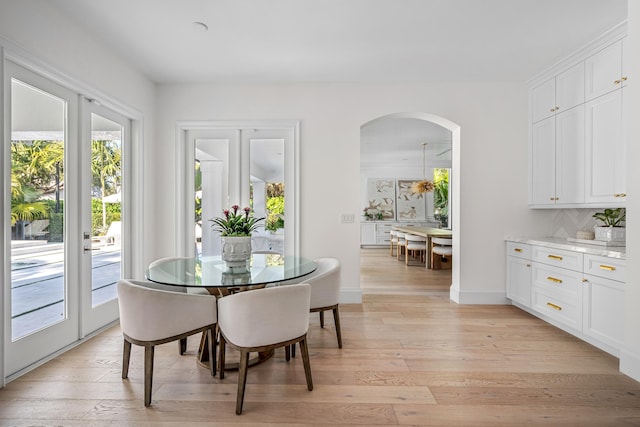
<point x="562" y="243"/>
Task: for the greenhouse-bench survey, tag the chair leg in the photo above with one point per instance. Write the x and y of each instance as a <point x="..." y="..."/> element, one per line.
<point x="293" y="350"/>
<point x="212" y="350"/>
<point x="287" y="352"/>
<point x="148" y="373"/>
<point x="305" y="361"/>
<point x="126" y="356"/>
<point x="222" y="356"/>
<point x="321" y="319"/>
<point x="336" y="320"/>
<point x="182" y="345"/>
<point x="242" y="380"/>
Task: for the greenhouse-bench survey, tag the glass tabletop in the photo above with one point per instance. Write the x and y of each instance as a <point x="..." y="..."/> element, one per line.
<point x="212" y="272"/>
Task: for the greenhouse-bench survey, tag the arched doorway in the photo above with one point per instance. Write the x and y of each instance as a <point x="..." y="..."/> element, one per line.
<point x="403" y="134"/>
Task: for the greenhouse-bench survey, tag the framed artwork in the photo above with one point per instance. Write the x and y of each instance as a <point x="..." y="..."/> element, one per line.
<point x="381" y="195"/>
<point x="409" y="205"/>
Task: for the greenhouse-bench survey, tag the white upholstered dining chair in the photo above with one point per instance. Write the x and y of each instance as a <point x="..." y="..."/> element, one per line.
<point x="441" y="253"/>
<point x="325" y="293"/>
<point x="262" y="320"/>
<point x="150" y="317"/>
<point x="414" y="245"/>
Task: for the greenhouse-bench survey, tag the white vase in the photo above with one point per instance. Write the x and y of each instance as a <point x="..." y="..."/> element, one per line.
<point x="610" y="234"/>
<point x="236" y="251"/>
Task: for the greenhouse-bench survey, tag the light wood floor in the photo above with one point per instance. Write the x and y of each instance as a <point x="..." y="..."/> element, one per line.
<point x="410" y="357"/>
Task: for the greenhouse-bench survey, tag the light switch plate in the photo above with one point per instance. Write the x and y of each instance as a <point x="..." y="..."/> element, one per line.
<point x="346" y="218"/>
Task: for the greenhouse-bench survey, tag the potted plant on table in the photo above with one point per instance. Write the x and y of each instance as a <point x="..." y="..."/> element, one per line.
<point x="235" y="234"/>
<point x="612" y="228"/>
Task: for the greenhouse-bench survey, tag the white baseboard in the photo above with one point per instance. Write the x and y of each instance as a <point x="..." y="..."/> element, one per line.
<point x="477" y="297"/>
<point x="351" y="296"/>
<point x="630" y="364"/>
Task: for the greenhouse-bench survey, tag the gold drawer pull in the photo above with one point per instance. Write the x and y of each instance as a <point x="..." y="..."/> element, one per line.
<point x="554" y="280"/>
<point x="559" y="258"/>
<point x="555" y="307"/>
<point x="617" y="82"/>
<point x="607" y="267"/>
<point x="517" y="249"/>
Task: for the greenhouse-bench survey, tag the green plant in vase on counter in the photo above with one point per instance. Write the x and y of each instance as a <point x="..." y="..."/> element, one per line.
<point x="611" y="217"/>
<point x="613" y="229"/>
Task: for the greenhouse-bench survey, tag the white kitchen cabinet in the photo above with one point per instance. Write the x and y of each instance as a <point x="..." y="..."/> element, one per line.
<point x="577" y="158"/>
<point x="558" y="94"/>
<point x="604" y="310"/>
<point x="578" y="288"/>
<point x="603" y="314"/>
<point x="367" y="233"/>
<point x="383" y="233"/>
<point x="603" y="71"/>
<point x="557" y="159"/>
<point x="519" y="273"/>
<point x="605" y="150"/>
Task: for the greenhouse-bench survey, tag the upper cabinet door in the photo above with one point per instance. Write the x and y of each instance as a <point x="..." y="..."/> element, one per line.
<point x="605" y="150"/>
<point x="570" y="156"/>
<point x="543" y="163"/>
<point x="603" y="71"/>
<point x="558" y="94"/>
<point x="570" y="88"/>
<point x="543" y="100"/>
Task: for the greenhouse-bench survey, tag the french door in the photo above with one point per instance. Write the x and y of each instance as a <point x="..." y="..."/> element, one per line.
<point x="104" y="141"/>
<point x="64" y="262"/>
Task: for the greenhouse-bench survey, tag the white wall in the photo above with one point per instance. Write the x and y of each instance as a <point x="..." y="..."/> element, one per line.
<point x="493" y="120"/>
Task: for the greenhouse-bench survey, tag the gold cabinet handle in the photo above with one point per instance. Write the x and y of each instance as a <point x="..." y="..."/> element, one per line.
<point x="552" y="110"/>
<point x="555" y="307"/>
<point x="620" y="195"/>
<point x="616" y="82"/>
<point x="517" y="249"/>
<point x="584" y="280"/>
<point x="556" y="257"/>
<point x="624" y="78"/>
<point x="607" y="267"/>
<point x="553" y="279"/>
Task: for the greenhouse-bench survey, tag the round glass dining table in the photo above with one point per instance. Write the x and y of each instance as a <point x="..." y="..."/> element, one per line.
<point x="212" y="274"/>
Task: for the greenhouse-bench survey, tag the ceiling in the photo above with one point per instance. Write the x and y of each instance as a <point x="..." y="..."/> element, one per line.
<point x="321" y="41"/>
<point x="397" y="142"/>
<point x="343" y="40"/>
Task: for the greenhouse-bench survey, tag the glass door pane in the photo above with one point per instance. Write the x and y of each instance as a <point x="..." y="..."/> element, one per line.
<point x="38" y="293"/>
<point x="106" y="202"/>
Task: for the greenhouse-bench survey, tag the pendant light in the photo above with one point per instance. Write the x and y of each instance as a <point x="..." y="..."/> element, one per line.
<point x="424" y="186"/>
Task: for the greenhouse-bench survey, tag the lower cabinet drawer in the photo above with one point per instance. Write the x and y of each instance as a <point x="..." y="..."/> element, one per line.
<point x="608" y="268"/>
<point x="557" y="257"/>
<point x="561" y="310"/>
<point x="557" y="293"/>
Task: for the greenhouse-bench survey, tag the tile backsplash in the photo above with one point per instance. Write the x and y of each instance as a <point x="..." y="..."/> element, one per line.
<point x="566" y="222"/>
